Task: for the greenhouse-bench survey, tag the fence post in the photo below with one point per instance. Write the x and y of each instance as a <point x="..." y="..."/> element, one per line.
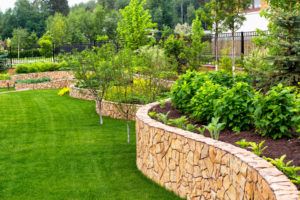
<point x="242" y="45"/>
<point x="10" y="57"/>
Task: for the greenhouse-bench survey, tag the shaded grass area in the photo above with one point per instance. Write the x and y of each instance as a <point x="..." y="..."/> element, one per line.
<point x="6" y="89"/>
<point x="52" y="147"/>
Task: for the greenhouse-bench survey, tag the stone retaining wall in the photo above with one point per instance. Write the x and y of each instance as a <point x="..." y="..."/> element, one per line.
<point x="56" y="84"/>
<point x="3" y="83"/>
<point x="55" y="75"/>
<point x="117" y="110"/>
<point x="197" y="167"/>
<point x="109" y="109"/>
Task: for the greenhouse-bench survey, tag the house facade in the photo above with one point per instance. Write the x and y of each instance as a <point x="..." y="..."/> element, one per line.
<point x="253" y="19"/>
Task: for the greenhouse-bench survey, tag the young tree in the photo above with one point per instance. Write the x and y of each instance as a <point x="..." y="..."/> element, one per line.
<point x="57" y="28"/>
<point x="234" y="18"/>
<point x="197" y="47"/>
<point x="19" y="39"/>
<point x="283" y="40"/>
<point x="135" y="26"/>
<point x="213" y="15"/>
<point x="97" y="72"/>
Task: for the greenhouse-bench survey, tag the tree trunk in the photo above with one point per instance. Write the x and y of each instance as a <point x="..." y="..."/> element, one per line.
<point x="128" y="132"/>
<point x="182" y="15"/>
<point x="216" y="49"/>
<point x="233" y="52"/>
<point x="18" y="50"/>
<point x="100" y="111"/>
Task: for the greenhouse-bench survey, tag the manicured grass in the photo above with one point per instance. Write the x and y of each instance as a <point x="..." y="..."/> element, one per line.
<point x="6" y="90"/>
<point x="52" y="147"/>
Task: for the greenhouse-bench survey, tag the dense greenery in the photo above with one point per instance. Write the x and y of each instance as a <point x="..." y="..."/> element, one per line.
<point x="40" y="67"/>
<point x="236" y="103"/>
<point x="53" y="148"/>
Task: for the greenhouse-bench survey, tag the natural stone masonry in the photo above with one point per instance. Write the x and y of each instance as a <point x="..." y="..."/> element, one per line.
<point x="55" y="84"/>
<point x="109" y="109"/>
<point x="197" y="167"/>
<point x="56" y="75"/>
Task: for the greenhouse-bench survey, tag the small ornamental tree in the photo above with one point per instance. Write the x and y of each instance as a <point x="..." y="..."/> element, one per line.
<point x="97" y="72"/>
<point x="197" y="47"/>
<point x="213" y="15"/>
<point x="135" y="27"/>
<point x="19" y="39"/>
<point x="234" y="19"/>
<point x="284" y="40"/>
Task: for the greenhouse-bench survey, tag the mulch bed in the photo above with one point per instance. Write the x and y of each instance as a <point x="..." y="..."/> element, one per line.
<point x="275" y="148"/>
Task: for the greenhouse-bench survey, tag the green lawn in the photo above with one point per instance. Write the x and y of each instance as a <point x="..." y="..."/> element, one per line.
<point x="52" y="147"/>
<point x="6" y="90"/>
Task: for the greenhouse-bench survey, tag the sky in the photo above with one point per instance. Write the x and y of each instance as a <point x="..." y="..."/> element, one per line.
<point x="5" y="4"/>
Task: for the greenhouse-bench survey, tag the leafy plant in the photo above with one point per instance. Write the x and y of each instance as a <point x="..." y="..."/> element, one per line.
<point x="201" y="130"/>
<point x="203" y="102"/>
<point x="257" y="148"/>
<point x="164" y="118"/>
<point x="277" y="112"/>
<point x="290" y="171"/>
<point x="179" y="122"/>
<point x="39" y="67"/>
<point x="235" y="107"/>
<point x="190" y="127"/>
<point x="215" y="128"/>
<point x="64" y="91"/>
<point x="4" y="77"/>
<point x="162" y="104"/>
<point x="152" y="114"/>
<point x="243" y="143"/>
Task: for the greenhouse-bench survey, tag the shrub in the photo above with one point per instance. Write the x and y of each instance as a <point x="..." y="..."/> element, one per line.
<point x="235" y="107"/>
<point x="25" y="53"/>
<point x="225" y="78"/>
<point x="185" y="88"/>
<point x="277" y="112"/>
<point x="203" y="102"/>
<point x="39" y="67"/>
<point x="34" y="81"/>
<point x="4" y="77"/>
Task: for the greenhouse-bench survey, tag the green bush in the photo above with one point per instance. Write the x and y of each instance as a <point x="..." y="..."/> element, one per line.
<point x="225" y="78"/>
<point x="277" y="113"/>
<point x="34" y="81"/>
<point x="39" y="67"/>
<point x="235" y="107"/>
<point x="203" y="102"/>
<point x="185" y="88"/>
<point x="4" y="77"/>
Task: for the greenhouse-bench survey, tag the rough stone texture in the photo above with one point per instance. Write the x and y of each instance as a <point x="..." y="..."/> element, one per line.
<point x="109" y="109"/>
<point x="118" y="110"/>
<point x="197" y="167"/>
<point x="80" y="93"/>
<point x="55" y="84"/>
<point x="56" y="75"/>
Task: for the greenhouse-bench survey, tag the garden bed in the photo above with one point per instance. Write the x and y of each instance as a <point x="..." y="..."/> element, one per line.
<point x="275" y="148"/>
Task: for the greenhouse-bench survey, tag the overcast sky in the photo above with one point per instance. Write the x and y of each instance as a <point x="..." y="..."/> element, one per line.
<point x="5" y="4"/>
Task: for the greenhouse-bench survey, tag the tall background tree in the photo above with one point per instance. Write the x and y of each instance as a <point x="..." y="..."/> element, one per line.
<point x="135" y="25"/>
<point x="58" y="6"/>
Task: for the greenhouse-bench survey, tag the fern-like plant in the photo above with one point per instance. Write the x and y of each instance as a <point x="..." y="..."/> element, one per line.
<point x="215" y="128"/>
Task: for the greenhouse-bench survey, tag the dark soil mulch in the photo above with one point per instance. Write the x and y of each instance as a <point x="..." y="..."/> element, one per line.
<point x="275" y="148"/>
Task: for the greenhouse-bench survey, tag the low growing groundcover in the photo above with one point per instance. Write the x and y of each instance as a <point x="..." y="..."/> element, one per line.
<point x="52" y="147"/>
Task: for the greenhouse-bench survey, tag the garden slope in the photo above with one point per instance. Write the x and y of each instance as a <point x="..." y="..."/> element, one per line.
<point x="52" y="147"/>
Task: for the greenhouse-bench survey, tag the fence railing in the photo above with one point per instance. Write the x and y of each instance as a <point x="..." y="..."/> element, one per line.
<point x="16" y="61"/>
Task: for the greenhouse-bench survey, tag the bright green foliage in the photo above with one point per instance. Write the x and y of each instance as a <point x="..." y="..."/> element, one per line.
<point x="292" y="172"/>
<point x="34" y="81"/>
<point x="53" y="148"/>
<point x="164" y="118"/>
<point x="46" y="45"/>
<point x="135" y="26"/>
<point x="215" y="127"/>
<point x="196" y="50"/>
<point x="152" y="114"/>
<point x="277" y="112"/>
<point x="39" y="67"/>
<point x="235" y="107"/>
<point x="202" y="104"/>
<point x="257" y="148"/>
<point x="243" y="143"/>
<point x="201" y="130"/>
<point x="190" y="127"/>
<point x="63" y="91"/>
<point x="179" y="122"/>
<point x="176" y="48"/>
<point x="185" y="88"/>
<point x="57" y="29"/>
<point x="4" y="76"/>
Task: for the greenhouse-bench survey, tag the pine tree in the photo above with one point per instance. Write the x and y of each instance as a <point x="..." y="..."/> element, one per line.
<point x="283" y="40"/>
<point x="58" y="6"/>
